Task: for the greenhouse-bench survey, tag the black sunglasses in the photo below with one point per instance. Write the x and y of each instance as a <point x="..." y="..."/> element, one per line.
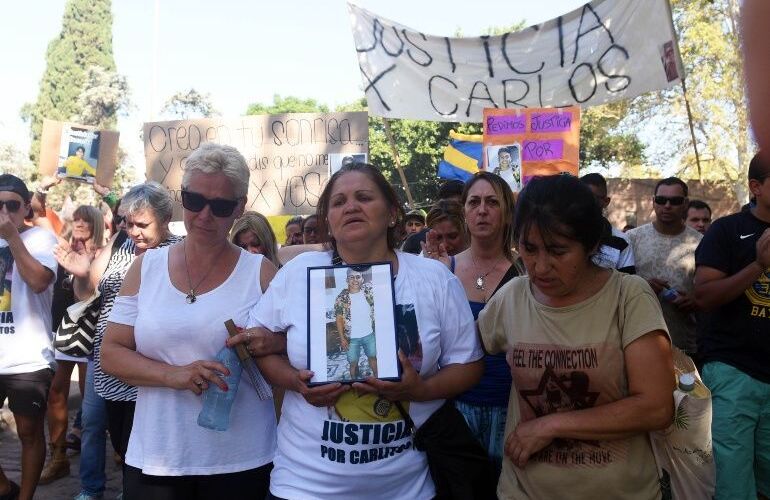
<point x="220" y="207"/>
<point x="10" y="205"/>
<point x="674" y="200"/>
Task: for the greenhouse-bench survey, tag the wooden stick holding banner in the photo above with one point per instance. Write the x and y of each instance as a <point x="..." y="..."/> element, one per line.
<point x="692" y="127"/>
<point x="398" y="162"/>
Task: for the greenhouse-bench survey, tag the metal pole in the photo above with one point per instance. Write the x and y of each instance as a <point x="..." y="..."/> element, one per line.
<point x="398" y="162"/>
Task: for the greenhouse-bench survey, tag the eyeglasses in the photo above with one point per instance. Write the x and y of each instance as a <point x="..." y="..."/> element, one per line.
<point x="355" y="277"/>
<point x="310" y="230"/>
<point x="11" y="206"/>
<point x="220" y="207"/>
<point x="674" y="200"/>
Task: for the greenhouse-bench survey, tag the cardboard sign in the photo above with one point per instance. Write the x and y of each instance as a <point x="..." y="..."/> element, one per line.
<point x="601" y="52"/>
<point x="288" y="154"/>
<point x="542" y="142"/>
<point x="78" y="152"/>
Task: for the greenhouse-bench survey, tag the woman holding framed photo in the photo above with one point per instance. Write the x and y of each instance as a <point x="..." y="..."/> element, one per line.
<point x="338" y="440"/>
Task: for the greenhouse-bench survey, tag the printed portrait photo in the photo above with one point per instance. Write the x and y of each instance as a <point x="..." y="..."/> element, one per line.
<point x="352" y="324"/>
<point x="78" y="155"/>
<point x="339" y="160"/>
<point x="505" y="161"/>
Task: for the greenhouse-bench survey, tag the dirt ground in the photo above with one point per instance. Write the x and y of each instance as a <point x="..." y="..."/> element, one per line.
<point x="65" y="488"/>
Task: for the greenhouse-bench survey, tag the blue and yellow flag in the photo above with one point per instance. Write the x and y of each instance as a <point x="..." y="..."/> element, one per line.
<point x="462" y="157"/>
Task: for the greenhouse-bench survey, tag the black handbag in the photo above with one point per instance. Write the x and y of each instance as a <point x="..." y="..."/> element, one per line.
<point x="75" y="335"/>
<point x="458" y="464"/>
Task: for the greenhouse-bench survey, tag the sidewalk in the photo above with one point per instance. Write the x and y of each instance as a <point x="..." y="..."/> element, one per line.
<point x="65" y="488"/>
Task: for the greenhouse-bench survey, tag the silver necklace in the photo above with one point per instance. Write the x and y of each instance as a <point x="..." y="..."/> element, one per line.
<point x="481" y="277"/>
<point x="191" y="297"/>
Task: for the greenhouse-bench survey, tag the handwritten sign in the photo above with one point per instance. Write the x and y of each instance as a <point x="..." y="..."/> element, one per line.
<point x="601" y="52"/>
<point x="547" y="143"/>
<point x="287" y="154"/>
<point x="504" y="125"/>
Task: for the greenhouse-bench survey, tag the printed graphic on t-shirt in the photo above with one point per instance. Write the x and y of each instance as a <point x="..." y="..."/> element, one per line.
<point x="408" y="334"/>
<point x="759" y="296"/>
<point x="552" y="378"/>
<point x="6" y="273"/>
<point x="364" y="428"/>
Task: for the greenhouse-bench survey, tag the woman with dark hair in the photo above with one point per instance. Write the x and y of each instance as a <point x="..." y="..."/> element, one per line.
<point x="310" y="233"/>
<point x="343" y="443"/>
<point x="589" y="353"/>
<point x="483" y="268"/>
<point x="448" y="231"/>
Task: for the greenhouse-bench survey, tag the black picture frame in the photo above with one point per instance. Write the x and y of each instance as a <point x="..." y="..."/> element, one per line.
<point x="329" y="294"/>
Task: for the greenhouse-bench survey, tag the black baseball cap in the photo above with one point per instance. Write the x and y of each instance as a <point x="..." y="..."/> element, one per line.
<point x="13" y="184"/>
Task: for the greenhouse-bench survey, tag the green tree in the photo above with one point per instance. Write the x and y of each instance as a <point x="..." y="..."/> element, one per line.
<point x="288" y="104"/>
<point x="15" y="162"/>
<point x="709" y="41"/>
<point x="85" y="41"/>
<point x="604" y="143"/>
<point x="189" y="104"/>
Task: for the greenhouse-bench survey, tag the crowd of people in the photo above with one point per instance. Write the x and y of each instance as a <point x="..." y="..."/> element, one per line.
<point x="546" y="328"/>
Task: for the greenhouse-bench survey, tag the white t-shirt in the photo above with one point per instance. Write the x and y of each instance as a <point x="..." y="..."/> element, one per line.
<point x="166" y="439"/>
<point x="361" y="447"/>
<point x="360" y="316"/>
<point x="25" y="316"/>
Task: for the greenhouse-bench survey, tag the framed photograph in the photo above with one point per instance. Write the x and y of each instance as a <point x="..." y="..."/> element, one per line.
<point x="351" y="323"/>
<point x="339" y="160"/>
<point x="505" y="161"/>
<point x="78" y="154"/>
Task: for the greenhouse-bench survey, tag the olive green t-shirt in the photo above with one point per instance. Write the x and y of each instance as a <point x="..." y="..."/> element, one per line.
<point x="569" y="358"/>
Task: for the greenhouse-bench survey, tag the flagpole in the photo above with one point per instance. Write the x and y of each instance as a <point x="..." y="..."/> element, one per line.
<point x="398" y="162"/>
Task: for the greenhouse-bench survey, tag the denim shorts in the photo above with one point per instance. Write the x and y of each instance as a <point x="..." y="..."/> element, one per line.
<point x="369" y="343"/>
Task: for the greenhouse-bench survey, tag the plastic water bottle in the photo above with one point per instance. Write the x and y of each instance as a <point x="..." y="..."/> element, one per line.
<point x="216" y="402"/>
<point x="669" y="294"/>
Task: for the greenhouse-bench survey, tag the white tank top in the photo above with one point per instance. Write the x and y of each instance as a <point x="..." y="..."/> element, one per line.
<point x="166" y="439"/>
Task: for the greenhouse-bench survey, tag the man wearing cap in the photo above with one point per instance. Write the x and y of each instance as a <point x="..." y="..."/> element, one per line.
<point x="27" y="273"/>
<point x="414" y="221"/>
<point x="732" y="282"/>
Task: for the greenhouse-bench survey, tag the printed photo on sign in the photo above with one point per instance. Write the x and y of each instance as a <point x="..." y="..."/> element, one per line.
<point x="505" y="161"/>
<point x="351" y="326"/>
<point x="669" y="61"/>
<point x="6" y="274"/>
<point x="339" y="160"/>
<point x="79" y="154"/>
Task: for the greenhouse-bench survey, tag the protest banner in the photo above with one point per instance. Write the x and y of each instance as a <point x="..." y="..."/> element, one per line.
<point x="601" y="52"/>
<point x="522" y="143"/>
<point x="78" y="152"/>
<point x="288" y="154"/>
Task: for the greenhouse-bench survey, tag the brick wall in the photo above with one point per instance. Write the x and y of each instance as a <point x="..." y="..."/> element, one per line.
<point x="632" y="199"/>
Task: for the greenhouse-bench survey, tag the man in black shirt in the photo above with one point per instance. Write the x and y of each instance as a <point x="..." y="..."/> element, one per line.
<point x="732" y="281"/>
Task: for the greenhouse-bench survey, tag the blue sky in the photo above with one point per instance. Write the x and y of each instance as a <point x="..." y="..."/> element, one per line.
<point x="239" y="51"/>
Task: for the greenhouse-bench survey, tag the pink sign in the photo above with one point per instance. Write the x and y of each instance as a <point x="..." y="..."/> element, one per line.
<point x="553" y="121"/>
<point x="543" y="150"/>
<point x="506" y="124"/>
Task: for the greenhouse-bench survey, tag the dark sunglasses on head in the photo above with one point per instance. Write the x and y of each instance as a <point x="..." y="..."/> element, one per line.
<point x="10" y="205"/>
<point x="674" y="200"/>
<point x="117" y="220"/>
<point x="220" y="207"/>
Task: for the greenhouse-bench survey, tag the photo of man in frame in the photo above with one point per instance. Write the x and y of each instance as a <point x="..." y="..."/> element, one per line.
<point x="354" y="318"/>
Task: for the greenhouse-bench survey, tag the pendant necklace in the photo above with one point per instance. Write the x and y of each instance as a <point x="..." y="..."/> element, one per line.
<point x="191" y="297"/>
<point x="481" y="277"/>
